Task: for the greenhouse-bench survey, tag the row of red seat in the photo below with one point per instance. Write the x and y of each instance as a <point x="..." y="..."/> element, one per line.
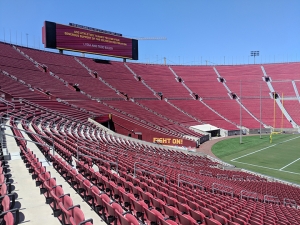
<point x="207" y="168"/>
<point x="109" y="185"/>
<point x="8" y="212"/>
<point x="240" y="185"/>
<point x="60" y="202"/>
<point x="109" y="140"/>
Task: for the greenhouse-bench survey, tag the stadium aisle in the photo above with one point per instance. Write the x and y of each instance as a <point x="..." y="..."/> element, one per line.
<point x="32" y="204"/>
<point x="88" y="211"/>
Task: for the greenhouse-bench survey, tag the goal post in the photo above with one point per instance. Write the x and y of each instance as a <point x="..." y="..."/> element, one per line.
<point x="271" y="135"/>
<point x="274" y="119"/>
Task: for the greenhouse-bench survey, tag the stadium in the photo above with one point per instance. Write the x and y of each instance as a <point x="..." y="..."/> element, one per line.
<point x="91" y="135"/>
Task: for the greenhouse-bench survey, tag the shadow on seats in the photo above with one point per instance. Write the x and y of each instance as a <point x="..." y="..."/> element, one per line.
<point x="22" y="218"/>
<point x="17" y="205"/>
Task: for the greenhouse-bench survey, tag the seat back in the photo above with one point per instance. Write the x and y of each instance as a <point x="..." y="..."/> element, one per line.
<point x="220" y="218"/>
<point x="121" y="220"/>
<point x="137" y="206"/>
<point x="91" y="191"/>
<point x="167" y="222"/>
<point x="157" y="204"/>
<point x="182" y="208"/>
<point x="97" y="197"/>
<point x="2" y="178"/>
<point x="127" y="219"/>
<point x="49" y="184"/>
<point x="77" y="216"/>
<point x="3" y="190"/>
<point x="79" y="177"/>
<point x="181" y="199"/>
<point x="105" y="197"/>
<point x="193" y="205"/>
<point x="67" y="201"/>
<point x="40" y="170"/>
<point x="44" y="176"/>
<point x="239" y="221"/>
<point x="86" y="185"/>
<point x="206" y="212"/>
<point x="225" y="214"/>
<point x="197" y="215"/>
<point x="64" y="205"/>
<point x="186" y="220"/>
<point x="9" y="219"/>
<point x="152" y="216"/>
<point x="117" y="207"/>
<point x="5" y="203"/>
<point x="96" y="177"/>
<point x="211" y="221"/>
<point x="56" y="193"/>
<point x="169" y="211"/>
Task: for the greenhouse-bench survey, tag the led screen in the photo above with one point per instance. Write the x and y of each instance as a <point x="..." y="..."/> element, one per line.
<point x="82" y="40"/>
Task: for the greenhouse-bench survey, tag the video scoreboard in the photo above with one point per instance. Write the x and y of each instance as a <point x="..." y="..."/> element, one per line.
<point x="88" y="40"/>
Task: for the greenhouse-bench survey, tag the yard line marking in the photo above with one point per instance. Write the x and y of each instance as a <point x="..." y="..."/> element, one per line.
<point x="263" y="149"/>
<point x="268" y="168"/>
<point x="257" y="165"/>
<point x="253" y="152"/>
<point x="289" y="164"/>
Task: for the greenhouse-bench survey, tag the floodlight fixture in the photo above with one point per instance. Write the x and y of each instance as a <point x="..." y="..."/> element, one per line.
<point x="254" y="54"/>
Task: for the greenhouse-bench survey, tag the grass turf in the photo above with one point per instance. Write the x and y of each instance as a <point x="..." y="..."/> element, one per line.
<point x="259" y="155"/>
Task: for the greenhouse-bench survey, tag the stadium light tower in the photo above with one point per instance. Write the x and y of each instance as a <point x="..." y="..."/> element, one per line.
<point x="27" y="39"/>
<point x="254" y="53"/>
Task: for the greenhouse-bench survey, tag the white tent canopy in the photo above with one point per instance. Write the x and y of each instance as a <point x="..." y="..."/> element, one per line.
<point x="205" y="127"/>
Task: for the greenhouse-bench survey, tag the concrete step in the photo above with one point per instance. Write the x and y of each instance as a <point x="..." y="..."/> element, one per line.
<point x="33" y="209"/>
<point x="88" y="211"/>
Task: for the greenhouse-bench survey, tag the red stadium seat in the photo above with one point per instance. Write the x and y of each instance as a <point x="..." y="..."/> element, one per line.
<point x="127" y="219"/>
<point x="78" y="218"/>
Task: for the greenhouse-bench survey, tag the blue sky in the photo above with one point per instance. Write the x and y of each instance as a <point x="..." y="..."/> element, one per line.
<point x="197" y="31"/>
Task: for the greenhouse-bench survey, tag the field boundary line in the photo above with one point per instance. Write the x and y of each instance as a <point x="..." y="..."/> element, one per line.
<point x="268" y="167"/>
<point x="263" y="149"/>
<point x="289" y="164"/>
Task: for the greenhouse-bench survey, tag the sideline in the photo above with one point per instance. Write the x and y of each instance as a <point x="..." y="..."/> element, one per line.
<point x="268" y="167"/>
<point x="289" y="164"/>
<point x="232" y="160"/>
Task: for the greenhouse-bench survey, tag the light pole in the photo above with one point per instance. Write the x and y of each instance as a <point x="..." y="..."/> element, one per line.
<point x="260" y="113"/>
<point x="241" y="128"/>
<point x="27" y="39"/>
<point x="254" y="53"/>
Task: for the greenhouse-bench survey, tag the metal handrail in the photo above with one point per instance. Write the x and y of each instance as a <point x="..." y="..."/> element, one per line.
<point x="134" y="170"/>
<point x="7" y="103"/>
<point x="28" y="110"/>
<point x="103" y="153"/>
<point x="20" y="118"/>
<point x="205" y="173"/>
<point x="222" y="189"/>
<point x="48" y="110"/>
<point x="143" y="157"/>
<point x="187" y="182"/>
<point x="3" y="125"/>
<point x="249" y="194"/>
<point x="93" y="157"/>
<point x="273" y="199"/>
<point x="237" y="177"/>
<point x="222" y="175"/>
<point x="35" y="142"/>
<point x="291" y="202"/>
<point x="187" y="168"/>
<point x="50" y="119"/>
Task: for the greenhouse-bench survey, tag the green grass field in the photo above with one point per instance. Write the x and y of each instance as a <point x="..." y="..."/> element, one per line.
<point x="279" y="159"/>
